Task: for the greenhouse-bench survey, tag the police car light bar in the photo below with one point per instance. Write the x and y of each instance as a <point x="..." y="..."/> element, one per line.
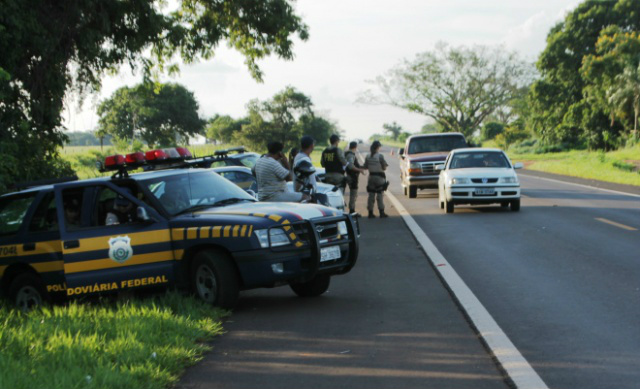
<point x="184" y="152"/>
<point x="114" y="162"/>
<point x="135" y="159"/>
<point x="156" y="156"/>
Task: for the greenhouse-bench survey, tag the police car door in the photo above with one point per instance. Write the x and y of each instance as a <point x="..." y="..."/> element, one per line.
<point x="107" y="258"/>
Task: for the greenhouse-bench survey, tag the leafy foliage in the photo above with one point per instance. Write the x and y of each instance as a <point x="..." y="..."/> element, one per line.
<point x="286" y="118"/>
<point x="491" y="129"/>
<point x="583" y="55"/>
<point x="51" y="48"/>
<point x="456" y="87"/>
<point x="393" y="129"/>
<point x="158" y="114"/>
<point x="224" y="128"/>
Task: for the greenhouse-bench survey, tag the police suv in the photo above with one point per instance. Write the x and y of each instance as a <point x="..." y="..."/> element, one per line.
<point x="173" y="225"/>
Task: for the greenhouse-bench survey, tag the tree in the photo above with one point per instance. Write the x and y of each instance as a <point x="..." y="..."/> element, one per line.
<point x="565" y="107"/>
<point x="430" y="128"/>
<point x="51" y="48"/>
<point x="625" y="95"/>
<point x="286" y="118"/>
<point x="159" y="115"/>
<point x="393" y="129"/>
<point x="456" y="87"/>
<point x="510" y="135"/>
<point x="276" y="119"/>
<point x="491" y="129"/>
<point x="224" y="128"/>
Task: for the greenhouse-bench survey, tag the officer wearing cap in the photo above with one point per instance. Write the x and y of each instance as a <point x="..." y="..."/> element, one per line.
<point x="334" y="162"/>
<point x="377" y="183"/>
<point x="122" y="211"/>
<point x="353" y="173"/>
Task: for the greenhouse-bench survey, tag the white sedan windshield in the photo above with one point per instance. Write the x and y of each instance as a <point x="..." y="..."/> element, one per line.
<point x="476" y="159"/>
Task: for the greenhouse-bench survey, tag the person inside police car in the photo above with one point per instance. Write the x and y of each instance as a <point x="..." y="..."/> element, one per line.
<point x="307" y="144"/>
<point x="272" y="173"/>
<point x="175" y="198"/>
<point x="335" y="163"/>
<point x="71" y="212"/>
<point x="353" y="174"/>
<point x="377" y="183"/>
<point x="123" y="210"/>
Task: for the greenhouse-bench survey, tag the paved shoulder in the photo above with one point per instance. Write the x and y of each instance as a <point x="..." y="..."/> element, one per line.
<point x="388" y="323"/>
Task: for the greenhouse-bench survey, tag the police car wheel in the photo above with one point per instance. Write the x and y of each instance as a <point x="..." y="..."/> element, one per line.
<point x="313" y="288"/>
<point x="214" y="280"/>
<point x="27" y="292"/>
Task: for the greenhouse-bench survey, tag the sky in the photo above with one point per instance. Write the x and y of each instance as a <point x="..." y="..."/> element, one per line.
<point x="351" y="41"/>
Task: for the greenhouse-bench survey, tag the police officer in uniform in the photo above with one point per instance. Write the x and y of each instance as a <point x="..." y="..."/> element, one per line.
<point x="335" y="163"/>
<point x="353" y="173"/>
<point x="377" y="183"/>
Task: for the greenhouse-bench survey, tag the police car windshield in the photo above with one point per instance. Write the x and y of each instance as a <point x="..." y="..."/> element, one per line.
<point x="194" y="190"/>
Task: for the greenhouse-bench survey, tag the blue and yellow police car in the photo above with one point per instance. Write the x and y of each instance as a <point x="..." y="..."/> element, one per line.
<point x="171" y="226"/>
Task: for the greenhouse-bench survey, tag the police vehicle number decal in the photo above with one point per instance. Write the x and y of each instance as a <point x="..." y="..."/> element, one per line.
<point x="6" y="251"/>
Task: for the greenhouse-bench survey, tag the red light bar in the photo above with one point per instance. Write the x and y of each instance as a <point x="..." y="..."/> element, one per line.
<point x="184" y="152"/>
<point x="172" y="153"/>
<point x="155" y="156"/>
<point x="135" y="159"/>
<point x="113" y="162"/>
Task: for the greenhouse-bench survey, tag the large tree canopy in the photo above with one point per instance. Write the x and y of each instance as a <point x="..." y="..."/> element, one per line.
<point x="579" y="63"/>
<point x="285" y="118"/>
<point x="51" y="47"/>
<point x="456" y="87"/>
<point x="159" y="115"/>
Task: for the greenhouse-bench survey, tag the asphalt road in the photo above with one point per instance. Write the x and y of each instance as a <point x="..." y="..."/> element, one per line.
<point x="389" y="323"/>
<point x="561" y="277"/>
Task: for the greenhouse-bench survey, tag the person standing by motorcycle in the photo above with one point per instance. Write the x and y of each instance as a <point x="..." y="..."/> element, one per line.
<point x="335" y="163"/>
<point x="353" y="174"/>
<point x="377" y="183"/>
<point x="307" y="144"/>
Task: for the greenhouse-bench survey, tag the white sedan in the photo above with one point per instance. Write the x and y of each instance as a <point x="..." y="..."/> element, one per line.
<point x="478" y="176"/>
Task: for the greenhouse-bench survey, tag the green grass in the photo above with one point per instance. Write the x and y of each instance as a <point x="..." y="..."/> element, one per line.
<point x="620" y="166"/>
<point x="140" y="343"/>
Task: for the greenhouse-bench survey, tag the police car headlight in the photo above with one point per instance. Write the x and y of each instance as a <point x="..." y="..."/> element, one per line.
<point x="277" y="235"/>
<point x="342" y="228"/>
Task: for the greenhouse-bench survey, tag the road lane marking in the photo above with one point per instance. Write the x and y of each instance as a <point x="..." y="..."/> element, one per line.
<point x="624" y="227"/>
<point x="580" y="185"/>
<point x="509" y="359"/>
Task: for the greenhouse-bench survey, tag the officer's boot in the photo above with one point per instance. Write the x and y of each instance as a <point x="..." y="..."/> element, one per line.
<point x="371" y="215"/>
<point x="382" y="214"/>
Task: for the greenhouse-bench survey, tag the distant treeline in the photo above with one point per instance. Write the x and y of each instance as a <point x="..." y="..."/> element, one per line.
<point x="81" y="138"/>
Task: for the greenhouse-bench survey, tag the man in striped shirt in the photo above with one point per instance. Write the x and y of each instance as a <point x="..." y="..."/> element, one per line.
<point x="272" y="173"/>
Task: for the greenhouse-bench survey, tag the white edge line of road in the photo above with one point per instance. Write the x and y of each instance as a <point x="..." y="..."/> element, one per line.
<point x="523" y="173"/>
<point x="508" y="357"/>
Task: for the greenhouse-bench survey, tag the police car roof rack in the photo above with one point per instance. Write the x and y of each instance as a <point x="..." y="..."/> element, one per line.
<point x="224" y="152"/>
<point x="47" y="181"/>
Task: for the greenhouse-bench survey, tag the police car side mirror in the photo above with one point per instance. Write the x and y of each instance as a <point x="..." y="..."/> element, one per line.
<point x="143" y="216"/>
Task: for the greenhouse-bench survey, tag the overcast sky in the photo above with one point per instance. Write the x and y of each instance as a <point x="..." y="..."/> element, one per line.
<point x="352" y="41"/>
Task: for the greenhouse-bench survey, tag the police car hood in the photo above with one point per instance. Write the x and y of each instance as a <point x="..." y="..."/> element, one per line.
<point x="274" y="211"/>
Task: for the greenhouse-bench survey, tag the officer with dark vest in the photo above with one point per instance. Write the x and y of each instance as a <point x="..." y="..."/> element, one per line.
<point x="335" y="163"/>
<point x="377" y="184"/>
<point x="353" y="173"/>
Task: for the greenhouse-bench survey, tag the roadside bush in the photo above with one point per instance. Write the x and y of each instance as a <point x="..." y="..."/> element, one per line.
<point x="491" y="130"/>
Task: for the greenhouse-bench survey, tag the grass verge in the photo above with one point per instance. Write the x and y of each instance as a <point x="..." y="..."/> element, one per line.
<point x="140" y="343"/>
<point x="620" y="166"/>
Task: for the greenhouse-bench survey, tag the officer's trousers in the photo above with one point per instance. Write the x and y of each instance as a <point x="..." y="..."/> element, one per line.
<point x="375" y="188"/>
